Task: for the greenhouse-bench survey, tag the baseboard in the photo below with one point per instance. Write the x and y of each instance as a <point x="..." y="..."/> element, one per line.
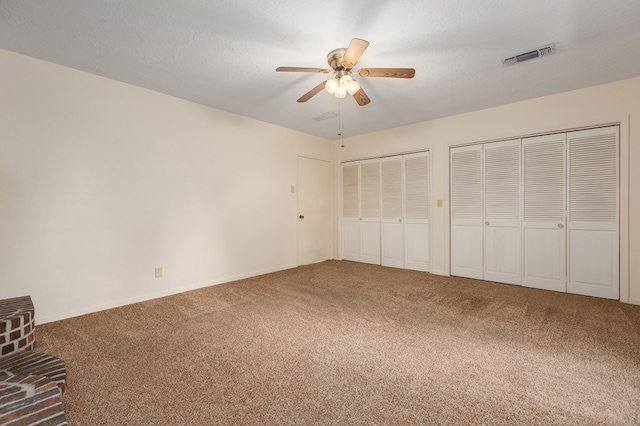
<point x="155" y="295"/>
<point x="634" y="301"/>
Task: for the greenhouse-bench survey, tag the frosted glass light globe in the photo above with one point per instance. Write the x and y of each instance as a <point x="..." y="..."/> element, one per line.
<point x="345" y="80"/>
<point x="353" y="87"/>
<point x="331" y="85"/>
<point x="341" y="92"/>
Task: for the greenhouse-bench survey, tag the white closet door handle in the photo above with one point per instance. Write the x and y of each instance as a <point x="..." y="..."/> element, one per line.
<point x="487" y="223"/>
<point x="560" y="226"/>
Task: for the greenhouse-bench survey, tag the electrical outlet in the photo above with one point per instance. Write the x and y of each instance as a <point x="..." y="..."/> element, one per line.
<point x="159" y="272"/>
<point x="293" y="189"/>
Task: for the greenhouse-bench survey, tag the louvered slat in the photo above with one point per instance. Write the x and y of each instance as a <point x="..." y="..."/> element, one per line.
<point x="593" y="178"/>
<point x="350" y="190"/>
<point x="416" y="170"/>
<point x="466" y="185"/>
<point x="392" y="189"/>
<point x="502" y="183"/>
<point x="544" y="181"/>
<point x="370" y="190"/>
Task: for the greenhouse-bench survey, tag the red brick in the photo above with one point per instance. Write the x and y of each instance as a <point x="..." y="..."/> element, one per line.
<point x="7" y="349"/>
<point x="15" y="323"/>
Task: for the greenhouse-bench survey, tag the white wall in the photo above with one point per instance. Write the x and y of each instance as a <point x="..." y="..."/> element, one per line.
<point x="617" y="102"/>
<point x="100" y="182"/>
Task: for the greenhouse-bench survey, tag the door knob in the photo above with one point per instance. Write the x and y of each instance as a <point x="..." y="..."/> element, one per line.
<point x="487" y="223"/>
<point x="560" y="226"/>
<point x="301" y="216"/>
<point x="399" y="220"/>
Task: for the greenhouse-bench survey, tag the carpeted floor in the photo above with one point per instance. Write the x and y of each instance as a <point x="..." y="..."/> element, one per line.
<point x="343" y="343"/>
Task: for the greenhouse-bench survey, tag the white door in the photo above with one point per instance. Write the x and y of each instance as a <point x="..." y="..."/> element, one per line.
<point x="350" y="238"/>
<point x="467" y="258"/>
<point x="416" y="211"/>
<point x="392" y="212"/>
<point x="385" y="211"/>
<point x="544" y="220"/>
<point x="370" y="211"/>
<point x="593" y="264"/>
<point x="314" y="210"/>
<point x="502" y="211"/>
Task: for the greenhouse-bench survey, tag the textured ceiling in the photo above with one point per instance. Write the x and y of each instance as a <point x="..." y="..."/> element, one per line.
<point x="224" y="53"/>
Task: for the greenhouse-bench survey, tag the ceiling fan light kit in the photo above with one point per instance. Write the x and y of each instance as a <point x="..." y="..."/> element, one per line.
<point x="340" y="86"/>
<point x="342" y="62"/>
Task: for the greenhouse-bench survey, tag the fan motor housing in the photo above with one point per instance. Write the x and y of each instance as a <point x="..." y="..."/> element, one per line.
<point x="335" y="58"/>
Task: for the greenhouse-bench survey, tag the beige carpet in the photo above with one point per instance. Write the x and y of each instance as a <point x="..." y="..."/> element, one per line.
<point x="343" y="343"/>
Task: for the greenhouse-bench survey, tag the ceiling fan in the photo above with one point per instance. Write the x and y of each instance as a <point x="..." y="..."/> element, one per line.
<point x="342" y="62"/>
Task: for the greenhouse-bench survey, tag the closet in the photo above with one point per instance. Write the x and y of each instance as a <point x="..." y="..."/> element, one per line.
<point x="385" y="211"/>
<point x="539" y="211"/>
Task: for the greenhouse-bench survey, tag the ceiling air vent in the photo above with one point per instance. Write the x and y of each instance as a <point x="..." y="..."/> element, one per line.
<point x="521" y="57"/>
<point x="325" y="116"/>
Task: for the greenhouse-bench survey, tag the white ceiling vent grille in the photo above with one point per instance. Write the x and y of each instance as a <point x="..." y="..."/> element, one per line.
<point x="325" y="116"/>
<point x="525" y="56"/>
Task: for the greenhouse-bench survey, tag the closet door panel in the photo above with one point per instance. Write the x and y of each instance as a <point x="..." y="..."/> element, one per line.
<point x="467" y="233"/>
<point x="502" y="192"/>
<point x="543" y="257"/>
<point x="466" y="250"/>
<point x="502" y="254"/>
<point x="417" y="247"/>
<point x="392" y="212"/>
<point x="393" y="244"/>
<point x="544" y="216"/>
<point x="593" y="267"/>
<point x="351" y="212"/>
<point x="370" y="212"/>
<point x="593" y="262"/>
<point x="351" y="240"/>
<point x="416" y="217"/>
<point x="370" y="242"/>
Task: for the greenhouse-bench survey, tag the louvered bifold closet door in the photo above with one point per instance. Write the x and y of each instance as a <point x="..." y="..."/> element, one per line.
<point x="467" y="258"/>
<point x="593" y="267"/>
<point x="416" y="217"/>
<point x="392" y="212"/>
<point x="543" y="230"/>
<point x="370" y="211"/>
<point x="350" y="212"/>
<point x="502" y="199"/>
